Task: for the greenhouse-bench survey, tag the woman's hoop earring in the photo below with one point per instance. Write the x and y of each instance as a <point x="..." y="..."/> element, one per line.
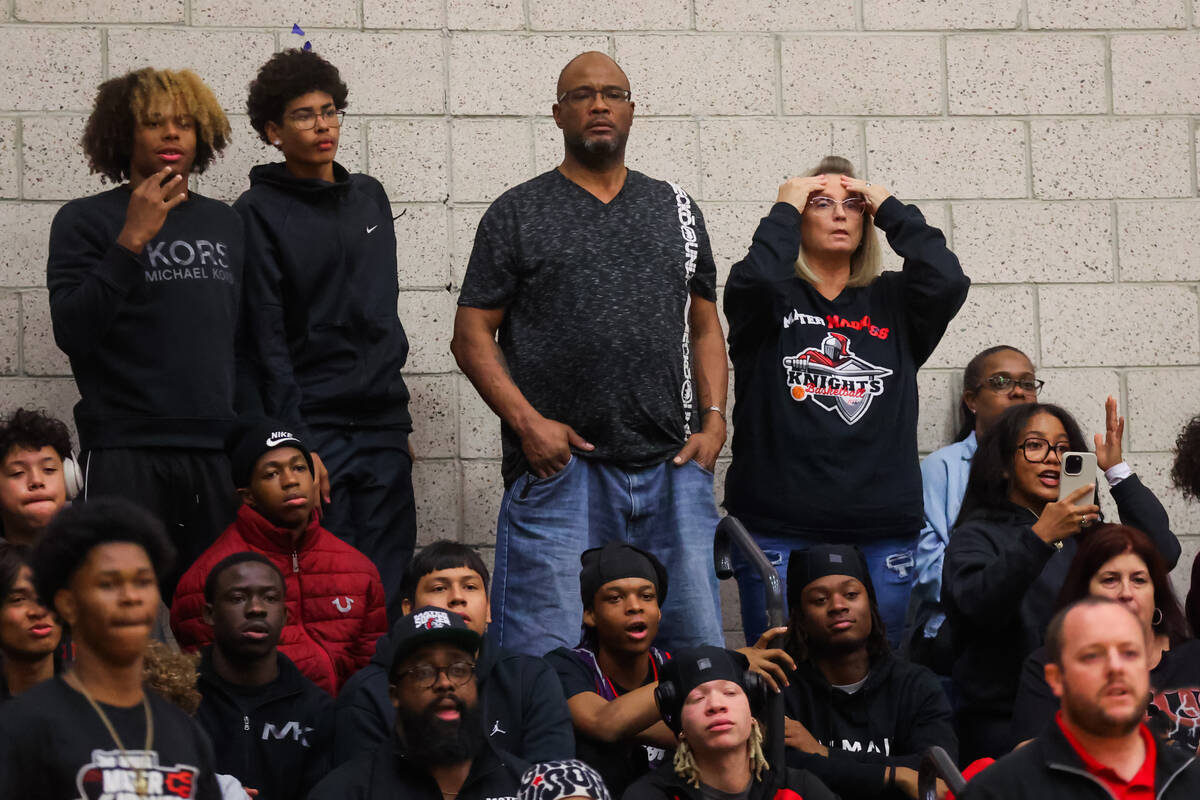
<point x="1157" y="618"/>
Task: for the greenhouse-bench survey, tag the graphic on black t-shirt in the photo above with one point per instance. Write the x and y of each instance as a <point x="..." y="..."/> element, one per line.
<point x="834" y="378"/>
<point x="1175" y="714"/>
<point x="133" y="776"/>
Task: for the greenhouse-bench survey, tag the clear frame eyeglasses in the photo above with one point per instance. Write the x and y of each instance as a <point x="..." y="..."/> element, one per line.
<point x="851" y="205"/>
<point x="305" y="120"/>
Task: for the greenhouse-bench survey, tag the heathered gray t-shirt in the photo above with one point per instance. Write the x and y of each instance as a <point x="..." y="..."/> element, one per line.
<point x="596" y="296"/>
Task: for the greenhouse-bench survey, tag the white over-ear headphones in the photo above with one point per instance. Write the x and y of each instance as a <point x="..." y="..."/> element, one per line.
<point x="72" y="477"/>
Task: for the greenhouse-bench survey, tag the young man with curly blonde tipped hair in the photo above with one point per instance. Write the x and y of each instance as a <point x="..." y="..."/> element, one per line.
<point x="144" y="284"/>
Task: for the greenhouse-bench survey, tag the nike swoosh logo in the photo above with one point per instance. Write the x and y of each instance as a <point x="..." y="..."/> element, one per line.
<point x="372" y="228"/>
<point x="273" y="442"/>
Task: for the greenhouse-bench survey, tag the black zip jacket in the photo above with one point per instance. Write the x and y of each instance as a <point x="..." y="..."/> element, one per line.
<point x="322" y="287"/>
<point x="891" y="720"/>
<point x="523" y="708"/>
<point x="1000" y="583"/>
<point x="1048" y="768"/>
<point x="150" y="335"/>
<point x="274" y="738"/>
<point x="825" y="423"/>
<point x="664" y="784"/>
<point x="389" y="774"/>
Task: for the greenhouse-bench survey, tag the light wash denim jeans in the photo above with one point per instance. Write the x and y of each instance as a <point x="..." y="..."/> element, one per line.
<point x="889" y="561"/>
<point x="546" y="523"/>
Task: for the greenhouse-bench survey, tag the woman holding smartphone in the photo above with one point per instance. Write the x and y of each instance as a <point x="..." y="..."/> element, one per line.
<point x="1010" y="551"/>
<point x="825" y="351"/>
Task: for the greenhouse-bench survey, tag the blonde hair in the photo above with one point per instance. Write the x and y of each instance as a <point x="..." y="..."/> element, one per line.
<point x="866" y="260"/>
<point x="687" y="768"/>
<point x="173" y="675"/>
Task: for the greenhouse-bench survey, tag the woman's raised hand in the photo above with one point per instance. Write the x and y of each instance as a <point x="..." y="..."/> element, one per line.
<point x="796" y="191"/>
<point x="874" y="193"/>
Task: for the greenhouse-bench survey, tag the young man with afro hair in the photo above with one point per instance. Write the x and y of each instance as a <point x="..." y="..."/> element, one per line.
<point x="321" y="278"/>
<point x="95" y="730"/>
<point x="144" y="284"/>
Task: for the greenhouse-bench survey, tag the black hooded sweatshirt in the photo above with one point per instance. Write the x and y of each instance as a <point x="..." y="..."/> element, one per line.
<point x="275" y="738"/>
<point x="321" y="292"/>
<point x="521" y="701"/>
<point x="793" y="784"/>
<point x="150" y="335"/>
<point x="1000" y="583"/>
<point x="825" y="423"/>
<point x="891" y="720"/>
<point x="390" y="773"/>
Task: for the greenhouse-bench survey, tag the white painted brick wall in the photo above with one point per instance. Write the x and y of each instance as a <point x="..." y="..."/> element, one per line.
<point x="1054" y="141"/>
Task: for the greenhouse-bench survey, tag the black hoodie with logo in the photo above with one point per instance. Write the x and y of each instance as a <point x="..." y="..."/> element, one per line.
<point x="277" y="738"/>
<point x="894" y="717"/>
<point x="150" y="335"/>
<point x="321" y="294"/>
<point x="825" y="423"/>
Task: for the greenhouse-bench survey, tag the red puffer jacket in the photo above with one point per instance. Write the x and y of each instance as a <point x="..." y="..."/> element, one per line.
<point x="335" y="600"/>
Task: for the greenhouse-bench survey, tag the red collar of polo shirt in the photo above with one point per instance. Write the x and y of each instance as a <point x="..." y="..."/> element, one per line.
<point x="1140" y="785"/>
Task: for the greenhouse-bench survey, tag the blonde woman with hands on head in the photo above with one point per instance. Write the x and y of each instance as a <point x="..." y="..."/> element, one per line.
<point x="825" y="350"/>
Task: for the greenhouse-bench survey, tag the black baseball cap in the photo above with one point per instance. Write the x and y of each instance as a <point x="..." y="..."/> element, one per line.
<point x="428" y="625"/>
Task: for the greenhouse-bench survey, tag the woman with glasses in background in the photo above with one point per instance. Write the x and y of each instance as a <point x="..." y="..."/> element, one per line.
<point x="1010" y="551"/>
<point x="996" y="379"/>
<point x="825" y="351"/>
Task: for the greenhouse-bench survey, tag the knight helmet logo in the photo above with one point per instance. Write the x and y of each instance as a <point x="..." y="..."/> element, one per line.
<point x="834" y="378"/>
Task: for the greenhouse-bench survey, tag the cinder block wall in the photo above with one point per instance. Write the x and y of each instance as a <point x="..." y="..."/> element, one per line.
<point x="1053" y="140"/>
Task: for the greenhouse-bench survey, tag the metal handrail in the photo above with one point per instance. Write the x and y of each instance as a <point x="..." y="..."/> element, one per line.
<point x="730" y="533"/>
<point x="937" y="764"/>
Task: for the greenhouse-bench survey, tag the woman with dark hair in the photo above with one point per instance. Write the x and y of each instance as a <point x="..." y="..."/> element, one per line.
<point x="858" y="718"/>
<point x="826" y="351"/>
<point x="1010" y="551"/>
<point x="1122" y="564"/>
<point x="29" y="633"/>
<point x="1185" y="474"/>
<point x="996" y="379"/>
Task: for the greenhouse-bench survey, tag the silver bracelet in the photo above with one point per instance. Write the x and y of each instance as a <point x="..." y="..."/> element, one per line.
<point x="717" y="409"/>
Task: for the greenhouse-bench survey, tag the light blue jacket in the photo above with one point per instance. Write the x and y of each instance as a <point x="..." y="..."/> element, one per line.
<point x="944" y="476"/>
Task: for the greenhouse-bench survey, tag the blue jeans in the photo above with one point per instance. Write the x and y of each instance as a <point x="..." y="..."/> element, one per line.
<point x="893" y="584"/>
<point x="546" y="523"/>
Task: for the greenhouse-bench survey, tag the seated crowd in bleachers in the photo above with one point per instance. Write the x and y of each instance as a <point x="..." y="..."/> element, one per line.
<point x="218" y="597"/>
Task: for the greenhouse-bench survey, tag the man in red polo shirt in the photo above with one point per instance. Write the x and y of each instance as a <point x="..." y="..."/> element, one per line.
<point x="1097" y="746"/>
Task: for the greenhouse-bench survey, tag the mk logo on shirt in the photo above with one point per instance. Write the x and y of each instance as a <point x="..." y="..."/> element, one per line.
<point x="834" y="378"/>
<point x="112" y="776"/>
<point x="293" y="730"/>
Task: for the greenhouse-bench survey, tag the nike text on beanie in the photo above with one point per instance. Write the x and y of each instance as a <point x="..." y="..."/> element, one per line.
<point x="247" y="442"/>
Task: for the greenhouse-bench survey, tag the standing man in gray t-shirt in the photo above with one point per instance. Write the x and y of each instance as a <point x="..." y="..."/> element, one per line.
<point x="609" y="377"/>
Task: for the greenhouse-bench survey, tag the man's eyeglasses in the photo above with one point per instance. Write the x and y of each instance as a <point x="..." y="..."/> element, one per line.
<point x="305" y="120"/>
<point x="1036" y="449"/>
<point x="587" y="94"/>
<point x="851" y="205"/>
<point x="426" y="675"/>
<point x="1005" y="384"/>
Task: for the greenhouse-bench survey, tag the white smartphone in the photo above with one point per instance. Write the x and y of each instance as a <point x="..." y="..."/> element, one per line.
<point x="1078" y="470"/>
